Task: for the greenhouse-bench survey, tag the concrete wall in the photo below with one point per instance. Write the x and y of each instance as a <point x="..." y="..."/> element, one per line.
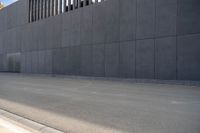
<point x="148" y="39"/>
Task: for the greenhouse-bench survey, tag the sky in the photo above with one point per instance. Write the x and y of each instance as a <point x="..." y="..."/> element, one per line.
<point x="7" y="2"/>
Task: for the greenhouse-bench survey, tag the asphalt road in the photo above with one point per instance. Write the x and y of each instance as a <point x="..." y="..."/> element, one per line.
<point x="83" y="105"/>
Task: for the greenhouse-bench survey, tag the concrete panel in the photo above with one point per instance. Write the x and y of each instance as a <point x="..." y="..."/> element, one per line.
<point x="15" y="45"/>
<point x="22" y="12"/>
<point x="31" y="65"/>
<point x="41" y="34"/>
<point x="66" y="27"/>
<point x="23" y="38"/>
<point x="127" y="20"/>
<point x="86" y="25"/>
<point x="75" y="28"/>
<point x="66" y="38"/>
<point x="9" y="40"/>
<point x="17" y="62"/>
<point x="98" y="55"/>
<point x="99" y="23"/>
<point x="5" y="41"/>
<point x="58" y="61"/>
<point x="145" y="19"/>
<point x="23" y="63"/>
<point x="112" y="21"/>
<point x="71" y="32"/>
<point x="41" y="62"/>
<point x="165" y="60"/>
<point x="26" y="38"/>
<point x="1" y="42"/>
<point x="189" y="57"/>
<point x="48" y="62"/>
<point x="31" y="45"/>
<point x="18" y="39"/>
<point x="1" y="63"/>
<point x="53" y="31"/>
<point x="66" y="60"/>
<point x="9" y="62"/>
<point x="188" y="17"/>
<point x="66" y="20"/>
<point x="86" y="60"/>
<point x="166" y="15"/>
<point x="127" y="59"/>
<point x="74" y="60"/>
<point x="145" y="59"/>
<point x="112" y="60"/>
<point x="35" y="36"/>
<point x="35" y="62"/>
<point x="13" y="33"/>
<point x="3" y="20"/>
<point x="28" y="62"/>
<point x="11" y="16"/>
<point x="5" y="64"/>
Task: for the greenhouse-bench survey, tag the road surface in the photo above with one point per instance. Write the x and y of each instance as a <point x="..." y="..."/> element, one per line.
<point x="84" y="105"/>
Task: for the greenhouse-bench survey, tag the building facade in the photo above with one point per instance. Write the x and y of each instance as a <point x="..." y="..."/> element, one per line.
<point x="143" y="39"/>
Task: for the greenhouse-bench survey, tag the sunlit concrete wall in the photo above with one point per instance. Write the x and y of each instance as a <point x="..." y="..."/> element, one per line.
<point x="147" y="39"/>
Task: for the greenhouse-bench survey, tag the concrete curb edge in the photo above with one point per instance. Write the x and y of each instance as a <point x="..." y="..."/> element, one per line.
<point x="29" y="123"/>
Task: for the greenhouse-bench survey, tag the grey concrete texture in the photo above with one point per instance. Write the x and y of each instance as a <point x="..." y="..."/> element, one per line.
<point x="188" y="17"/>
<point x="1" y="62"/>
<point x="53" y="32"/>
<point x="98" y="59"/>
<point x="165" y="58"/>
<point x="102" y="106"/>
<point x="128" y="18"/>
<point x="25" y="123"/>
<point x="86" y="60"/>
<point x="11" y="16"/>
<point x="188" y="57"/>
<point x="37" y="62"/>
<point x="166" y="17"/>
<point x="145" y="63"/>
<point x="116" y="35"/>
<point x="127" y="59"/>
<point x="1" y="43"/>
<point x="86" y="17"/>
<point x="71" y="29"/>
<point x="112" y="60"/>
<point x="145" y="19"/>
<point x="14" y="15"/>
<point x="3" y="24"/>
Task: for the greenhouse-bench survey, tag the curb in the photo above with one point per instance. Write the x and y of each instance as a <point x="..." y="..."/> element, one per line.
<point x="29" y="123"/>
<point x="194" y="83"/>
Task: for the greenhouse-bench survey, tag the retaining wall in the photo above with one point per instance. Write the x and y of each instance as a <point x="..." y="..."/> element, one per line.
<point x="148" y="39"/>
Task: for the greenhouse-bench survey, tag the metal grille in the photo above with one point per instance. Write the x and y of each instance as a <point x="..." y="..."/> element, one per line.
<point x="41" y="9"/>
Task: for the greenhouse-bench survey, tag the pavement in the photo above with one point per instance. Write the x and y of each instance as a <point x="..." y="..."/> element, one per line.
<point x="10" y="126"/>
<point x="81" y="105"/>
<point x="12" y="123"/>
<point x="7" y="127"/>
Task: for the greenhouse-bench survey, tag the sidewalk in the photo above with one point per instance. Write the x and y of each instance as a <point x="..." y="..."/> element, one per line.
<point x="6" y="126"/>
<point x="11" y="123"/>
